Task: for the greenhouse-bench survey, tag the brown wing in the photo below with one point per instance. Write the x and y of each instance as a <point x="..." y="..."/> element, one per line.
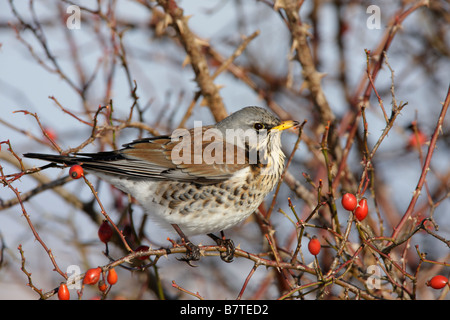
<point x="200" y="155"/>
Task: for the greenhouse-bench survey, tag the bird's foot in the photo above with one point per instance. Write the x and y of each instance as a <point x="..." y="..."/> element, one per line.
<point x="193" y="251"/>
<point x="192" y="254"/>
<point x="228" y="255"/>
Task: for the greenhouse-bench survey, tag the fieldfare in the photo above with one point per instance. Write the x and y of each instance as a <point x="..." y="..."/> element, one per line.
<point x="198" y="181"/>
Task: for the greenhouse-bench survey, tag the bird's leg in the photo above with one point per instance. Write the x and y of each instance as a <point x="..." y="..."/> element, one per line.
<point x="193" y="252"/>
<point x="228" y="255"/>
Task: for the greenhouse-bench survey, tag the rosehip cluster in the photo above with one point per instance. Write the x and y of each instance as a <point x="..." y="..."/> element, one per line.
<point x="91" y="277"/>
<point x="350" y="203"/>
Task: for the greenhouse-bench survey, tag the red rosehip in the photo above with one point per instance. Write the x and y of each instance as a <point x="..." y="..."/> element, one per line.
<point x="349" y="201"/>
<point x="76" y="171"/>
<point x="105" y="231"/>
<point x="51" y="134"/>
<point x="415" y="141"/>
<point x="102" y="286"/>
<point x="314" y="246"/>
<point x="142" y="248"/>
<point x="92" y="276"/>
<point x="112" y="277"/>
<point x="362" y="210"/>
<point x="438" y="282"/>
<point x="63" y="292"/>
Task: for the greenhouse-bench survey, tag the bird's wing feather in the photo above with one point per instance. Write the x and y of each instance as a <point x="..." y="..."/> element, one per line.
<point x="203" y="161"/>
<point x="188" y="158"/>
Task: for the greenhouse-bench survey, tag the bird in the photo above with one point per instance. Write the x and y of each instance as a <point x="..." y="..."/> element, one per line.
<point x="202" y="180"/>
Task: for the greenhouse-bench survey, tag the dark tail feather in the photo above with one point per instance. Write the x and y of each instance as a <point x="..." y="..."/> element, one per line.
<point x="89" y="159"/>
<point x="69" y="160"/>
<point x="106" y="162"/>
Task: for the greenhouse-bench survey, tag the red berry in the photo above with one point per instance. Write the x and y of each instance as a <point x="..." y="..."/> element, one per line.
<point x="92" y="276"/>
<point x="349" y="202"/>
<point x="362" y="210"/>
<point x="415" y="141"/>
<point x="63" y="292"/>
<point x="142" y="248"/>
<point x="314" y="246"/>
<point x="102" y="286"/>
<point x="438" y="282"/>
<point x="50" y="133"/>
<point x="105" y="231"/>
<point x="76" y="171"/>
<point x="112" y="277"/>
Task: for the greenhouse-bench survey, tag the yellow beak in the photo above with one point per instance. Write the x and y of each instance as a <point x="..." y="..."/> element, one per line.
<point x="286" y="125"/>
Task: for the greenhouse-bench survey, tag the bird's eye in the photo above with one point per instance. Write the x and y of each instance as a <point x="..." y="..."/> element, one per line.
<point x="258" y="126"/>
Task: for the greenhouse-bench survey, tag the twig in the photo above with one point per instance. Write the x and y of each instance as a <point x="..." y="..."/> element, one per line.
<point x="28" y="274"/>
<point x="197" y="295"/>
<point x="225" y="65"/>
<point x="425" y="168"/>
<point x="103" y="211"/>
<point x="30" y="224"/>
<point x="277" y="189"/>
<point x="198" y="61"/>
<point x="244" y="286"/>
